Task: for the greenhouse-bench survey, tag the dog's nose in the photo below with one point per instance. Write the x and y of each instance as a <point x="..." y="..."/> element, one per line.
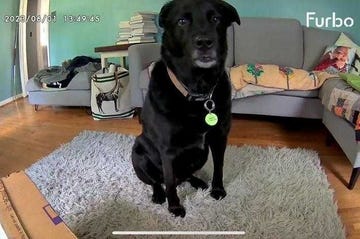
<point x="203" y="42"/>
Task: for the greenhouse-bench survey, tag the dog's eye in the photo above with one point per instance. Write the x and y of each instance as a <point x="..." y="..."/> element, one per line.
<point x="183" y="21"/>
<point x="215" y="19"/>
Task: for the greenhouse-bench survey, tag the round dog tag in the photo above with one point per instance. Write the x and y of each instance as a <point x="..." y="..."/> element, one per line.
<point x="211" y="119"/>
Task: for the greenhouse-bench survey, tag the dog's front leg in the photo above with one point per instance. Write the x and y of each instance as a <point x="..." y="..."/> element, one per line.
<point x="174" y="205"/>
<point x="217" y="143"/>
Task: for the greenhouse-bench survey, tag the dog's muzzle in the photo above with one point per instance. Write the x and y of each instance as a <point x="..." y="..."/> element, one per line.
<point x="204" y="55"/>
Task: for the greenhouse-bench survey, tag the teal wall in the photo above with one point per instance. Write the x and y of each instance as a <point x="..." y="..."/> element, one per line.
<point x="298" y="9"/>
<point x="7" y="87"/>
<point x="71" y="39"/>
<point x="68" y="40"/>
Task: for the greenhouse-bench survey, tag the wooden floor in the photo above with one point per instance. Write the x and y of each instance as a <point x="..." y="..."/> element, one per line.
<point x="26" y="136"/>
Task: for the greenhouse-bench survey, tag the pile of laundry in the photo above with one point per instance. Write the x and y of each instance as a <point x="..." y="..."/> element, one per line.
<point x="60" y="76"/>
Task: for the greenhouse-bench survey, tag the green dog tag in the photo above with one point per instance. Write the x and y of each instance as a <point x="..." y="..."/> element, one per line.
<point x="211" y="119"/>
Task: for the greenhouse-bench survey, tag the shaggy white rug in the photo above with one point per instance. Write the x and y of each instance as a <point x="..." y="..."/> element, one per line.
<point x="271" y="193"/>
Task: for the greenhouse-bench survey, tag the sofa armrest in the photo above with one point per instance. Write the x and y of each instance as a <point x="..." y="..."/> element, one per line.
<point x="140" y="56"/>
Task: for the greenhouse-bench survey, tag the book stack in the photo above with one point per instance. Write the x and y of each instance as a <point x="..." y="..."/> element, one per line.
<point x="124" y="33"/>
<point x="143" y="27"/>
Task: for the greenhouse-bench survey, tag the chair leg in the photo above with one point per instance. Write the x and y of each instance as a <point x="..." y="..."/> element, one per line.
<point x="36" y="107"/>
<point x="354" y="176"/>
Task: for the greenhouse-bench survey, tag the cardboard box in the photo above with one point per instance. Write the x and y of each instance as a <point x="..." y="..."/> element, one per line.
<point x="25" y="213"/>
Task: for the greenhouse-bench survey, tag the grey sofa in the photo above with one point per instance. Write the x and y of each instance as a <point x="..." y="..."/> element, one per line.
<point x="267" y="41"/>
<point x="77" y="93"/>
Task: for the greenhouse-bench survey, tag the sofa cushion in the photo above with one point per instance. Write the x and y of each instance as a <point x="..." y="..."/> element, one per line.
<point x="300" y="93"/>
<point x="269" y="41"/>
<point x="315" y="42"/>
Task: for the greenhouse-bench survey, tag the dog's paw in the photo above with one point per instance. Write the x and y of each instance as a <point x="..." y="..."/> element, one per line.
<point x="198" y="183"/>
<point x="177" y="211"/>
<point x="218" y="193"/>
<point x="158" y="198"/>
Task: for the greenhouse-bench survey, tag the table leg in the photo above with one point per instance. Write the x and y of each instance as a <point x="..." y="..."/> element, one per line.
<point x="123" y="61"/>
<point x="103" y="62"/>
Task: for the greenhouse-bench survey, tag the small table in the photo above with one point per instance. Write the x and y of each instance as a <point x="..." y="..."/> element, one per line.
<point x="113" y="51"/>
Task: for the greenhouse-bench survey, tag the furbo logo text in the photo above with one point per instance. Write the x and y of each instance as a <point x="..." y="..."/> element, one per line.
<point x="331" y="21"/>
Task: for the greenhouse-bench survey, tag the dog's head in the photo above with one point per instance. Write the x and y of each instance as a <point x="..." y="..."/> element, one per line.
<point x="195" y="32"/>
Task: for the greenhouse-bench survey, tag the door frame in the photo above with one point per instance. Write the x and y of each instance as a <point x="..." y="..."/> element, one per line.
<point x="22" y="47"/>
<point x="42" y="11"/>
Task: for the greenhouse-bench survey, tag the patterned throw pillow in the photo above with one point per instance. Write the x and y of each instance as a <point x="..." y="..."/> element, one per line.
<point x="346" y="41"/>
<point x="336" y="59"/>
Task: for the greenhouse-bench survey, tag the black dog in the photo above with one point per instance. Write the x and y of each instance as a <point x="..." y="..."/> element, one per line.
<point x="187" y="109"/>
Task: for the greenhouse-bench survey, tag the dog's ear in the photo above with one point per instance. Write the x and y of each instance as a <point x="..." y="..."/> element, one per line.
<point x="164" y="13"/>
<point x="228" y="12"/>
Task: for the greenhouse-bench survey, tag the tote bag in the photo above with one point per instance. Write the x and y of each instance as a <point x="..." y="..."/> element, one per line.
<point x="110" y="94"/>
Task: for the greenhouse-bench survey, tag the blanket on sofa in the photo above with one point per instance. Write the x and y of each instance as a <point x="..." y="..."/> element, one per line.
<point x="267" y="83"/>
<point x="264" y="79"/>
<point x="345" y="103"/>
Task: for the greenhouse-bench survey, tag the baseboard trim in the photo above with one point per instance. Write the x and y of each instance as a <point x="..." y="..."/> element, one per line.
<point x="11" y="99"/>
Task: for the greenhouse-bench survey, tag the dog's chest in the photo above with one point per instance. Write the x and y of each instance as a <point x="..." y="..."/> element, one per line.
<point x="200" y="141"/>
<point x="191" y="157"/>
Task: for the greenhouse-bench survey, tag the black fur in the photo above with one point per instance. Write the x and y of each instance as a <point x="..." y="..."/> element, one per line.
<point x="175" y="140"/>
